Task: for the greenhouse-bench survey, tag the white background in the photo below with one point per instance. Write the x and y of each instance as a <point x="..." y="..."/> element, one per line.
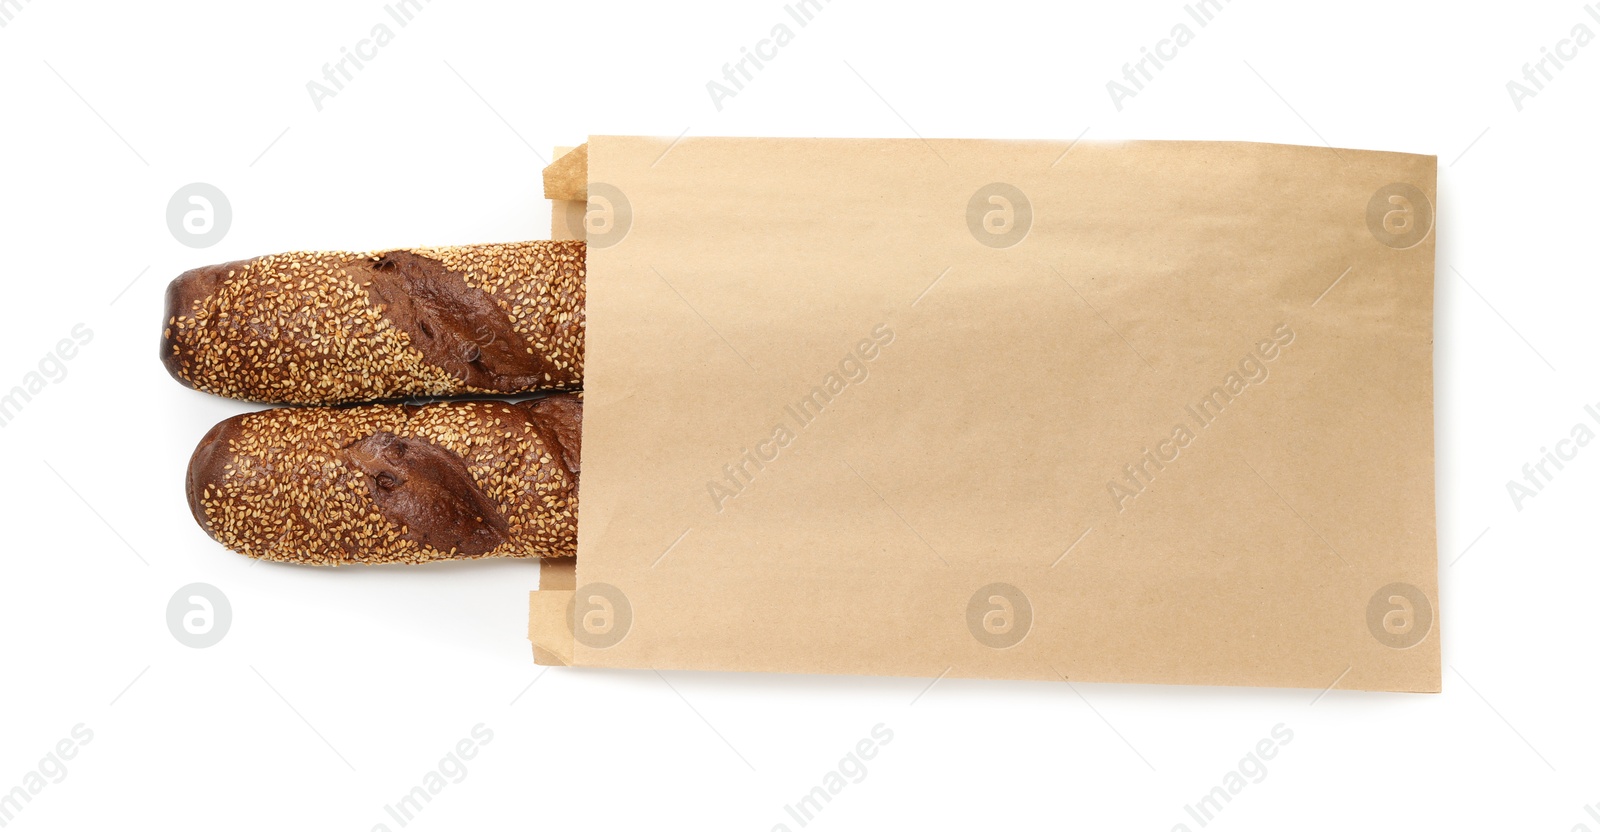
<point x="334" y="692"/>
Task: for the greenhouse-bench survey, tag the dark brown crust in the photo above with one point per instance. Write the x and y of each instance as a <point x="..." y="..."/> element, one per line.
<point x="562" y="417"/>
<point x="338" y="327"/>
<point x="428" y="491"/>
<point x="393" y="483"/>
<point x="453" y="325"/>
<point x="187" y="292"/>
<point x="207" y="464"/>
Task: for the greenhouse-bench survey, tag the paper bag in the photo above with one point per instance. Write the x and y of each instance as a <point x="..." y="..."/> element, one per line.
<point x="1123" y="412"/>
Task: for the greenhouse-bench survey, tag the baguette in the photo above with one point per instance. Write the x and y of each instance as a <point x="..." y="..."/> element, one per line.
<point x="393" y="483"/>
<point x="342" y="327"/>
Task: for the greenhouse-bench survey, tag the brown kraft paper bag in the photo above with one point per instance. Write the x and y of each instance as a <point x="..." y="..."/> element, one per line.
<point x="1123" y="412"/>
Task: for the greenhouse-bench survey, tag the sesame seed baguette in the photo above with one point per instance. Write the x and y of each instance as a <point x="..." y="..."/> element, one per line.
<point x="342" y="327"/>
<point x="393" y="483"/>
